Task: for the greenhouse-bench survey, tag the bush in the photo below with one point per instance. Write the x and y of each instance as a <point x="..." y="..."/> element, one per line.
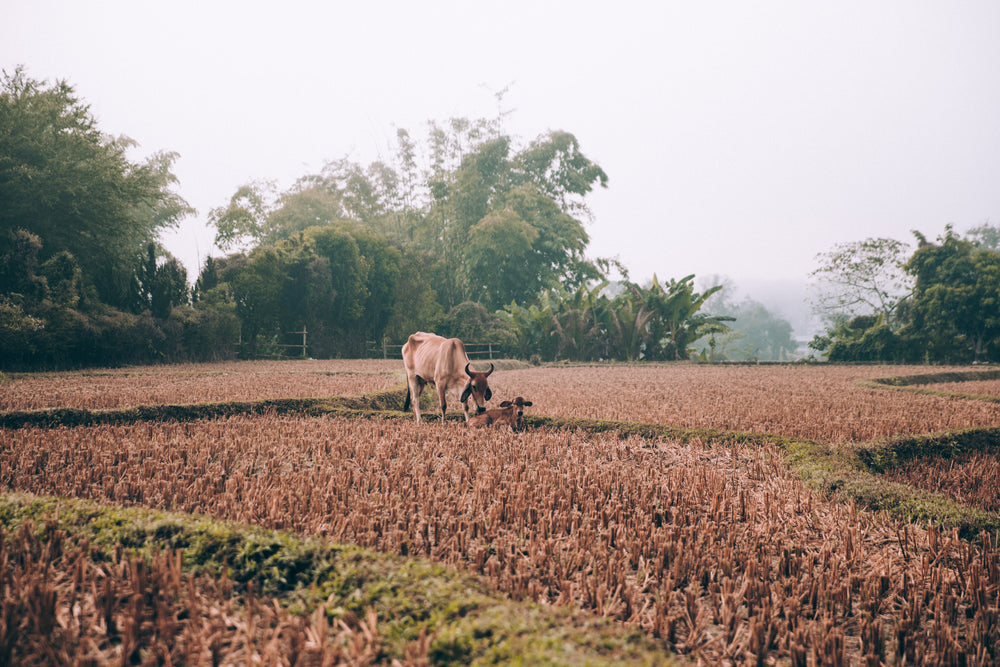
<point x="197" y="334"/>
<point x="471" y="322"/>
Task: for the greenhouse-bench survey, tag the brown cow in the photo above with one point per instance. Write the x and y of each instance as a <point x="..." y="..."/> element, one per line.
<point x="510" y="413"/>
<point x="429" y="358"/>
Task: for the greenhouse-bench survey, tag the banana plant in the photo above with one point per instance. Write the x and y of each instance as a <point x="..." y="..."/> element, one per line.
<point x="676" y="322"/>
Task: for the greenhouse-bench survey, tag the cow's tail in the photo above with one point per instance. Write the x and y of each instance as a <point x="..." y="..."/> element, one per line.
<point x="406" y="403"/>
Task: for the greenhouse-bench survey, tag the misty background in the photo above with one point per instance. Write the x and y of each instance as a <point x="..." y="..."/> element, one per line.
<point x="740" y="140"/>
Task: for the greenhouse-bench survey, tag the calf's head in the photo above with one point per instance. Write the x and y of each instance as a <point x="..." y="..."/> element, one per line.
<point x="516" y="406"/>
<point x="478" y="387"/>
<point x="510" y="413"/>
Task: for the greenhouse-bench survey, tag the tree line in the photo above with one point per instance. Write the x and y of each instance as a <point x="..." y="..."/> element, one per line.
<point x="468" y="232"/>
<point x="936" y="303"/>
<point x="82" y="281"/>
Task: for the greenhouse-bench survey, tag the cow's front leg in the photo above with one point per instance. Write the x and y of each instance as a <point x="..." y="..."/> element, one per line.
<point x="442" y="390"/>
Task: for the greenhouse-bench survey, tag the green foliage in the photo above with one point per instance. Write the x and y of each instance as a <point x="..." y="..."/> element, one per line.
<point x="676" y="322"/>
<point x="159" y="286"/>
<point x="75" y="188"/>
<point x="483" y="221"/>
<point x="206" y="333"/>
<point x="956" y="306"/>
<point x="867" y="338"/>
<point x="255" y="283"/>
<point x="558" y="169"/>
<point x="81" y="279"/>
<point x="494" y="259"/>
<point x="985" y="236"/>
<point x="338" y="282"/>
<point x="471" y="322"/>
<point x="244" y="219"/>
<point x="417" y="306"/>
<point x="62" y="276"/>
<point x="952" y="315"/>
<point x="660" y="322"/>
<point x="17" y="334"/>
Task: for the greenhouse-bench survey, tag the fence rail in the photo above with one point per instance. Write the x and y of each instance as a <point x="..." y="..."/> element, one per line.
<point x="473" y="350"/>
<point x="268" y="345"/>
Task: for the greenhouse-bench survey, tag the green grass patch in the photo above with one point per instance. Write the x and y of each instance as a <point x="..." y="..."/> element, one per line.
<point x="935" y="378"/>
<point x="917" y="384"/>
<point x="468" y="623"/>
<point x="848" y="474"/>
<point x="391" y="399"/>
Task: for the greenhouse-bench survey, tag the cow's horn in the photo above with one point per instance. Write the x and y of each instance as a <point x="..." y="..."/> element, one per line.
<point x="467" y="371"/>
<point x="491" y="369"/>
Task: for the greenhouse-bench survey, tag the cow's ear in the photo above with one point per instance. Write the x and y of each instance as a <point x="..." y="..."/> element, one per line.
<point x="466" y="392"/>
<point x="489" y="394"/>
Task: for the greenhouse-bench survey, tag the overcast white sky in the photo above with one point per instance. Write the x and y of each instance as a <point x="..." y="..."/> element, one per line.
<point x="740" y="138"/>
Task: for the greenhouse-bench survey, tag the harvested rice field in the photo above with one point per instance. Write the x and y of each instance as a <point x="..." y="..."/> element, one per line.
<point x="198" y="383"/>
<point x="700" y="544"/>
<point x="977" y="387"/>
<point x="816" y="402"/>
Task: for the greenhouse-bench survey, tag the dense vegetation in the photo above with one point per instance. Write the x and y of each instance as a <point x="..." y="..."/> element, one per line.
<point x="939" y="304"/>
<point x="470" y="233"/>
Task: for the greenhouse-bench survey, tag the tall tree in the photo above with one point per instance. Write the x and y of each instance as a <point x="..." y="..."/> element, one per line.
<point x="985" y="236"/>
<point x="482" y="221"/>
<point x="160" y="284"/>
<point x="957" y="297"/>
<point x="255" y="283"/>
<point x="75" y="187"/>
<point x="556" y="166"/>
<point x="755" y="334"/>
<point x="505" y="227"/>
<point x="244" y="220"/>
<point x="863" y="278"/>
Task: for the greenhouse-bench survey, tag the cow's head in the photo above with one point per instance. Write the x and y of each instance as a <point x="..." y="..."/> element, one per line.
<point x="478" y="387"/>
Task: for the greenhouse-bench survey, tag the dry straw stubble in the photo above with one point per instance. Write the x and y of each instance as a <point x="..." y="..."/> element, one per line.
<point x="716" y="551"/>
<point x="198" y="383"/>
<point x="815" y="402"/>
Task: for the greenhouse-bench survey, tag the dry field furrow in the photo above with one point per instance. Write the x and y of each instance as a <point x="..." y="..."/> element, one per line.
<point x="976" y="387"/>
<point x="199" y="383"/>
<point x="972" y="479"/>
<point x="814" y="402"/>
<point x="718" y="552"/>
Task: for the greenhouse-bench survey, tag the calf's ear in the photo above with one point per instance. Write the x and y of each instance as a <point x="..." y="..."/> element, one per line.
<point x="466" y="392"/>
<point x="526" y="403"/>
<point x="504" y="404"/>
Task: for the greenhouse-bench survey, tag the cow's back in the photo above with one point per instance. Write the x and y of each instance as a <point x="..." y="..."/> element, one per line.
<point x="430" y="355"/>
<point x="451" y="359"/>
